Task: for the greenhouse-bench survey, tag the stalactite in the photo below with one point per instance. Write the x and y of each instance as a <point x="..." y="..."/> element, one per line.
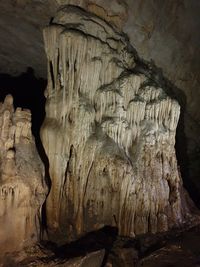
<point x="111" y="140"/>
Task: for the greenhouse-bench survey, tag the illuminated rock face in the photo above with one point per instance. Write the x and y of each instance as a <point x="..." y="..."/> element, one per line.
<point x="109" y="134"/>
<point x="22" y="186"/>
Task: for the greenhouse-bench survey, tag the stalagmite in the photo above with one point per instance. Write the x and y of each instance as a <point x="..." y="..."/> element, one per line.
<point x="22" y="185"/>
<point x="109" y="135"/>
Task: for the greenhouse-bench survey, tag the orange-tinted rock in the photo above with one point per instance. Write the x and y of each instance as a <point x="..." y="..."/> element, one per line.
<point x="22" y="185"/>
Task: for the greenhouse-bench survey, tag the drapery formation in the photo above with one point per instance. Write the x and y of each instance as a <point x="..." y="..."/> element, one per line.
<point x="109" y="134"/>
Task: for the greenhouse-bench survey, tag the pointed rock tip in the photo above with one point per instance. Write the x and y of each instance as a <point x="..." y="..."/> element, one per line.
<point x="8" y="100"/>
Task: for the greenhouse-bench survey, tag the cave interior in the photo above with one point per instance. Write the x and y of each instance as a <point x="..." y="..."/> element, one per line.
<point x="163" y="43"/>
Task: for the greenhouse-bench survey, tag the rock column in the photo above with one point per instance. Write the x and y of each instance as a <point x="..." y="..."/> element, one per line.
<point x="22" y="184"/>
<point x="109" y="134"/>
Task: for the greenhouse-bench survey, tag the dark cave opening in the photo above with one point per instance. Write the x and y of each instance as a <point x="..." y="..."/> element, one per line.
<point x="183" y="161"/>
<point x="181" y="148"/>
<point x="28" y="92"/>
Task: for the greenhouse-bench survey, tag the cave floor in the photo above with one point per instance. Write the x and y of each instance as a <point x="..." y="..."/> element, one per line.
<point x="181" y="250"/>
<point x="173" y="249"/>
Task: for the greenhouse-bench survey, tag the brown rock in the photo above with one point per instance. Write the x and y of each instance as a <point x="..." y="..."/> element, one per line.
<point x="123" y="257"/>
<point x="37" y="257"/>
<point x="22" y="186"/>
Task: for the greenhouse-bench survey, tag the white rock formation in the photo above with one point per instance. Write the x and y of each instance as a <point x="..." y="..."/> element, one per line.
<point x="22" y="186"/>
<point x="109" y="135"/>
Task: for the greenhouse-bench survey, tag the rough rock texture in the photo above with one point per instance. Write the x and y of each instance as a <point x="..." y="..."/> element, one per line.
<point x="109" y="134"/>
<point x="175" y="248"/>
<point x="22" y="186"/>
<point x="39" y="256"/>
<point x="165" y="32"/>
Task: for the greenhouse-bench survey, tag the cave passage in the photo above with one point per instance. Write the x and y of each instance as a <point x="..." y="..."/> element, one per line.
<point x="28" y="93"/>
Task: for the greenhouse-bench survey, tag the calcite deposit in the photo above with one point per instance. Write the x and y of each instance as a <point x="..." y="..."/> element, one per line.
<point x="109" y="134"/>
<point x="22" y="185"/>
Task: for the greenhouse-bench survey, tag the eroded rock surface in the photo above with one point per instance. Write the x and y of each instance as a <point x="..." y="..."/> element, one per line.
<point x="22" y="186"/>
<point x="38" y="256"/>
<point x="109" y="134"/>
<point x="165" y="32"/>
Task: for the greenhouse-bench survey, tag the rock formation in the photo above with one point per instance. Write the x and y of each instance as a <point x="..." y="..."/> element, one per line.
<point x="165" y="32"/>
<point x="109" y="134"/>
<point x="38" y="256"/>
<point x="22" y="187"/>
